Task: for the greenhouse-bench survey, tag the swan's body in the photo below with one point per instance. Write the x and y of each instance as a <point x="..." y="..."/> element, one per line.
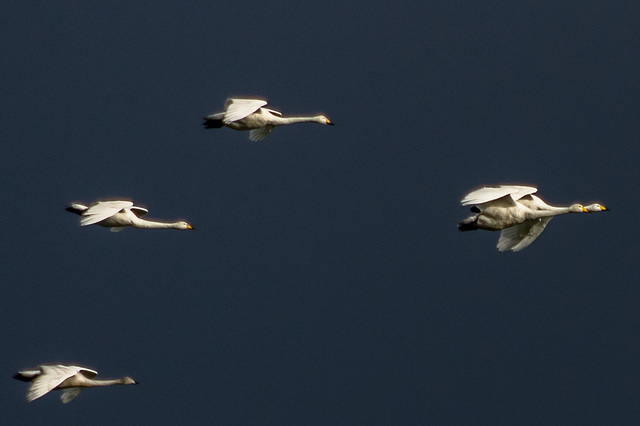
<point x="249" y="114"/>
<point x="514" y="210"/>
<point x="70" y="379"/>
<point x="119" y="214"/>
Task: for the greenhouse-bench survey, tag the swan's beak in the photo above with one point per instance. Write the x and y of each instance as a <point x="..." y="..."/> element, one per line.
<point x="190" y="227"/>
<point x="330" y="123"/>
<point x="604" y="209"/>
<point x="584" y="209"/>
<point x="135" y="382"/>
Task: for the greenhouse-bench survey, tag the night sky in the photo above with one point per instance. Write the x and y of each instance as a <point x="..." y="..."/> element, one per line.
<point x="326" y="282"/>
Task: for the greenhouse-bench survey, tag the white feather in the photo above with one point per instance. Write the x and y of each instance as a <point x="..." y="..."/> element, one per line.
<point x="486" y="194"/>
<point x="257" y="135"/>
<point x="519" y="237"/>
<point x="237" y="109"/>
<point x="70" y="394"/>
<point x="102" y="210"/>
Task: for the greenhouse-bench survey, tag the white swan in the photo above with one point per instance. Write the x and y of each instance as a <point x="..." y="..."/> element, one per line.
<point x="117" y="215"/>
<point x="70" y="379"/>
<point x="249" y="114"/>
<point x="513" y="210"/>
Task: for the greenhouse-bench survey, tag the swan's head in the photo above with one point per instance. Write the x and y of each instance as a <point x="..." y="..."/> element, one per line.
<point x="578" y="208"/>
<point x="323" y="119"/>
<point x="596" y="208"/>
<point x="128" y="381"/>
<point x="183" y="225"/>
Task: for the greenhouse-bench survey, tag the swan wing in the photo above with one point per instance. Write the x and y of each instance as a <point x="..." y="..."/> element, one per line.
<point x="70" y="394"/>
<point x="260" y="133"/>
<point x="139" y="211"/>
<point x="519" y="237"/>
<point x="102" y="210"/>
<point x="51" y="377"/>
<point x="237" y="109"/>
<point x="521" y="191"/>
<point x="273" y="112"/>
<point x="87" y="372"/>
<point x="487" y="194"/>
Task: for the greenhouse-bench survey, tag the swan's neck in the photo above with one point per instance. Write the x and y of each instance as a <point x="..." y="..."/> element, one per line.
<point x="148" y="224"/>
<point x="84" y="382"/>
<point x="291" y="120"/>
<point x="550" y="211"/>
<point x="111" y="382"/>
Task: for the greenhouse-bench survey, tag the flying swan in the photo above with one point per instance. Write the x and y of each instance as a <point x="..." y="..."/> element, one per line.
<point x="70" y="379"/>
<point x="513" y="210"/>
<point x="249" y="114"/>
<point x="117" y="215"/>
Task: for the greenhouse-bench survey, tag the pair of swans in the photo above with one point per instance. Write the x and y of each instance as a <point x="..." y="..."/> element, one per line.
<point x="119" y="214"/>
<point x="513" y="210"/>
<point x="71" y="379"/>
<point x="249" y="114"/>
<point x="239" y="114"/>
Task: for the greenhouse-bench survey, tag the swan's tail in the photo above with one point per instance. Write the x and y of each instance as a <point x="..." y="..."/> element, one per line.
<point x="76" y="208"/>
<point x="468" y="224"/>
<point x="27" y="375"/>
<point x="213" y="121"/>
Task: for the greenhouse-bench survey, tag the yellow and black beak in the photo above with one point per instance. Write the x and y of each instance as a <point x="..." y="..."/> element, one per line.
<point x="330" y="123"/>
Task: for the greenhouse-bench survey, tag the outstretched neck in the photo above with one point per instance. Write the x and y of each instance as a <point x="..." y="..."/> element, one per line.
<point x="109" y="382"/>
<point x="551" y="211"/>
<point x="291" y="120"/>
<point x="149" y="224"/>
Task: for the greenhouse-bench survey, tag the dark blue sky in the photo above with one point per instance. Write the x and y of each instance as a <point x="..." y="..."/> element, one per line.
<point x="326" y="282"/>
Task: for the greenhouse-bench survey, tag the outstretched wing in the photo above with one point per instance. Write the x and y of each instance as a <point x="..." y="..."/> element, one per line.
<point x="237" y="109"/>
<point x="519" y="237"/>
<point x="102" y="210"/>
<point x="273" y="112"/>
<point x="261" y="133"/>
<point x="139" y="211"/>
<point x="51" y="377"/>
<point x="486" y="194"/>
<point x="70" y="394"/>
<point x="87" y="372"/>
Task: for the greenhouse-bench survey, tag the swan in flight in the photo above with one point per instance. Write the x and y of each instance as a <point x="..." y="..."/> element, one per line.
<point x="514" y="210"/>
<point x="249" y="114"/>
<point x="117" y="215"/>
<point x="70" y="379"/>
